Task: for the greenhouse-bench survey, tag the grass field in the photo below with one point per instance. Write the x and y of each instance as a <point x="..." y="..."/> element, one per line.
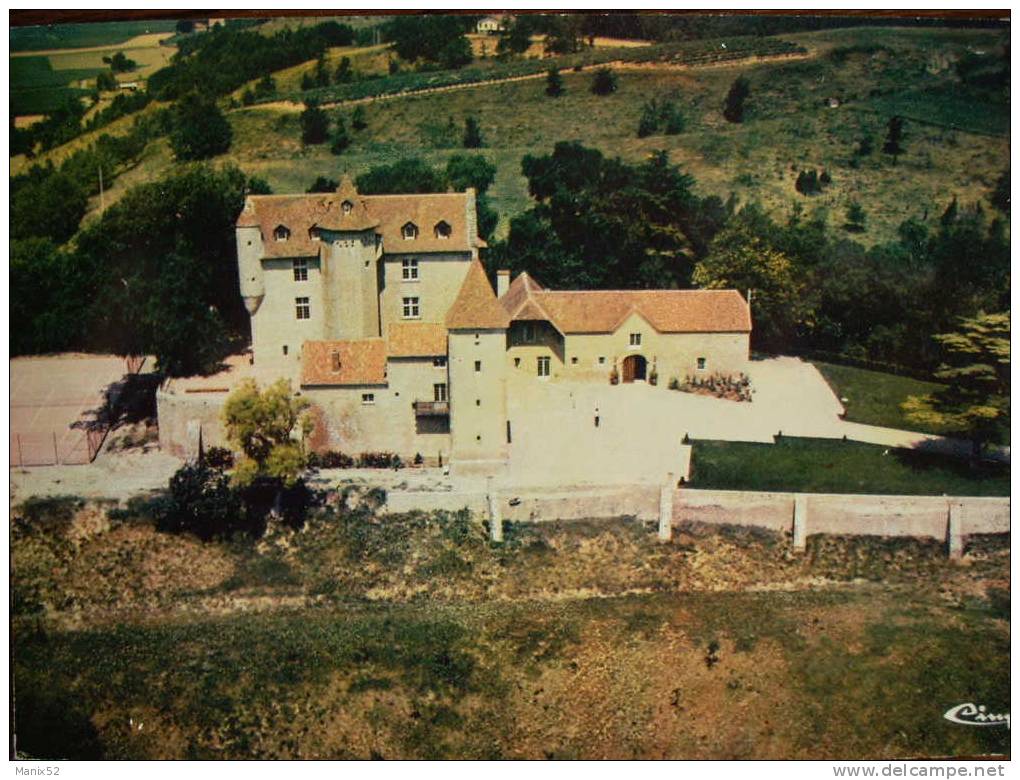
<point x="77" y="36"/>
<point x="874" y="397"/>
<point x="36" y="87"/>
<point x="411" y="637"/>
<point x="833" y="466"/>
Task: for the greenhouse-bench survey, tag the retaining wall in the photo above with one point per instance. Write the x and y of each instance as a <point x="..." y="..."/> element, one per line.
<point x="175" y="411"/>
<point x="820" y="513"/>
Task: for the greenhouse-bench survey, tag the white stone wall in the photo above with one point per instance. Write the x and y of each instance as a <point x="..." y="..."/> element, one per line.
<point x="440" y="276"/>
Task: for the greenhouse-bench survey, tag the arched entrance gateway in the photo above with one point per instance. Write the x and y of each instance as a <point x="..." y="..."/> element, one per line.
<point x="634" y="367"/>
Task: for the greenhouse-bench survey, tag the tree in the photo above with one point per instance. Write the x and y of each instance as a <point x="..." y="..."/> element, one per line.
<point x="341" y="139"/>
<point x="434" y="38"/>
<point x="894" y="138"/>
<point x="1000" y="194"/>
<point x="740" y="90"/>
<point x="604" y="82"/>
<point x="106" y="81"/>
<point x="856" y="219"/>
<point x="649" y="122"/>
<point x="265" y="86"/>
<point x="263" y="425"/>
<point x="864" y="146"/>
<point x="975" y="400"/>
<point x="314" y="124"/>
<point x="553" y="83"/>
<point x="199" y="129"/>
<point x="740" y="260"/>
<point x="515" y="37"/>
<point x="410" y="175"/>
<point x="51" y="205"/>
<point x="358" y="120"/>
<point x="344" y="73"/>
<point x="322" y="184"/>
<point x="472" y="133"/>
<point x="470" y="170"/>
<point x="119" y="63"/>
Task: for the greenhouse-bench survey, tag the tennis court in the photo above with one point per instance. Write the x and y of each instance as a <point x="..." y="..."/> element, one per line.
<point x="59" y="406"/>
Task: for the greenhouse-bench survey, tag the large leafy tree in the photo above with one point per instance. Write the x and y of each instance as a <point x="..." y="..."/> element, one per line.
<point x="163" y="278"/>
<point x="47" y="205"/>
<point x="738" y="259"/>
<point x="603" y="223"/>
<point x="199" y="129"/>
<point x="975" y="400"/>
<point x="432" y="38"/>
<point x="269" y="427"/>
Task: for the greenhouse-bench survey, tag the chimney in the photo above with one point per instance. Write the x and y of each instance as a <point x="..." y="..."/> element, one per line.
<point x="502" y="282"/>
<point x="336" y="361"/>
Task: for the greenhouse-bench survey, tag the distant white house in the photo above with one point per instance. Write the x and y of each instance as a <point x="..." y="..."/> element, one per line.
<point x="131" y="85"/>
<point x="491" y="25"/>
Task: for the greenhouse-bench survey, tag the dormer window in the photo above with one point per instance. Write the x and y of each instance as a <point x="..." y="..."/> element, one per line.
<point x="347" y="207"/>
<point x="282" y="233"/>
<point x="443" y="230"/>
<point x="409" y="231"/>
<point x="313" y="234"/>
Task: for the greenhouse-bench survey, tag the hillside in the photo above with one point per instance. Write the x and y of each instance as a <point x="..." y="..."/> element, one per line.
<point x="956" y="141"/>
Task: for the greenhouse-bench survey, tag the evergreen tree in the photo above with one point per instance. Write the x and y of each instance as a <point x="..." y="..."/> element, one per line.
<point x="341" y="140"/>
<point x="358" y="120"/>
<point x="604" y="82"/>
<point x="649" y="122"/>
<point x="674" y="119"/>
<point x="314" y="124"/>
<point x="951" y="213"/>
<point x="1000" y="194"/>
<point x="472" y="133"/>
<point x="856" y="219"/>
<point x="553" y="83"/>
<point x="894" y="138"/>
<point x="266" y="86"/>
<point x="740" y="90"/>
<point x="322" y="184"/>
<point x="344" y="74"/>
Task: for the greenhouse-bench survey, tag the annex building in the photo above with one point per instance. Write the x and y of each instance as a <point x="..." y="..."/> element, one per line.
<point x="378" y="310"/>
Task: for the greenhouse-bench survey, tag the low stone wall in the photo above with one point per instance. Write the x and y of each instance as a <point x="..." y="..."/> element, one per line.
<point x="801" y="514"/>
<point x="844" y="514"/>
<point x="536" y="504"/>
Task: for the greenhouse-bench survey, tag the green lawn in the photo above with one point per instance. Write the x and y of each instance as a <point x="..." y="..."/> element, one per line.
<point x="833" y="466"/>
<point x="76" y="36"/>
<point x="35" y="87"/>
<point x="874" y="397"/>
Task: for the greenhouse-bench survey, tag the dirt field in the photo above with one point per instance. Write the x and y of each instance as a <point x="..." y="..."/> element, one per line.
<point x="54" y="401"/>
<point x="412" y="637"/>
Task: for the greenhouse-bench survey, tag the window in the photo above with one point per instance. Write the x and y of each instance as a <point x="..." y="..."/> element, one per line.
<point x="443" y="230"/>
<point x="304" y="310"/>
<point x="439" y="362"/>
<point x="478" y="402"/>
<point x="281" y="233"/>
<point x="409" y="231"/>
<point x="517" y="362"/>
<point x="409" y="270"/>
<point x="313" y="233"/>
<point x="347" y="207"/>
<point x="529" y="332"/>
<point x="411" y="310"/>
<point x="439" y="392"/>
<point x="478" y="366"/>
<point x="602" y="360"/>
<point x="543" y="365"/>
<point x="573" y="361"/>
<point x="284" y="349"/>
<point x="301" y="270"/>
<point x="701" y="364"/>
<point x="335" y="361"/>
<point x="367" y="399"/>
<point x="635" y="339"/>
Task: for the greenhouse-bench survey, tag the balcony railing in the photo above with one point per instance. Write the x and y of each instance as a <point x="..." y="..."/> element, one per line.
<point x="431" y="408"/>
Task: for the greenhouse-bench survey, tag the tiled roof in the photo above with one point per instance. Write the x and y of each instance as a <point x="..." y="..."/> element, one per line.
<point x="476" y="305"/>
<point x="416" y="339"/>
<point x="519" y="291"/>
<point x="668" y="311"/>
<point x="387" y="214"/>
<point x="361" y="362"/>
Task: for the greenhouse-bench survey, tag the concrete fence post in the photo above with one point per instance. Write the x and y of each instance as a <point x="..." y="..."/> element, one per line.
<point x="495" y="518"/>
<point x="800" y="522"/>
<point x="666" y="509"/>
<point x="954" y="531"/>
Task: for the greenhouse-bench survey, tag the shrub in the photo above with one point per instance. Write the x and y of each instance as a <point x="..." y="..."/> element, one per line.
<point x="380" y="460"/>
<point x="330" y="459"/>
<point x="218" y="458"/>
<point x="604" y="82"/>
<point x="201" y="501"/>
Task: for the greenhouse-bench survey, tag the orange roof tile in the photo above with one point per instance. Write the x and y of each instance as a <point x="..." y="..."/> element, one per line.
<point x="416" y="339"/>
<point x="387" y="214"/>
<point x="361" y="362"/>
<point x="518" y="292"/>
<point x="668" y="311"/>
<point x="476" y="305"/>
